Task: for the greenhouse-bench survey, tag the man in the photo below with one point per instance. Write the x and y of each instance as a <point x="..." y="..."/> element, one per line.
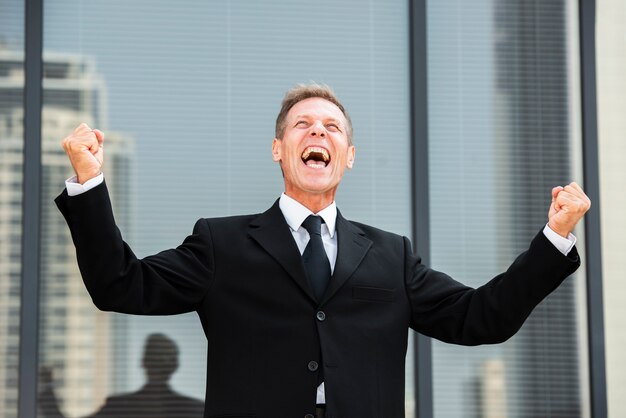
<point x="285" y="338"/>
<point x="156" y="399"/>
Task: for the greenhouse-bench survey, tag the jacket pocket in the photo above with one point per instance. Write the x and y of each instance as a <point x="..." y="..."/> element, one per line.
<point x="373" y="294"/>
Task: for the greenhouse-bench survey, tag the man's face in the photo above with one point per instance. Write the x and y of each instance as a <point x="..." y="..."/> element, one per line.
<point x="314" y="151"/>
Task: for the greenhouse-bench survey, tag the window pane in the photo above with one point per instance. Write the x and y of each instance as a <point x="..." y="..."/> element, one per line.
<point x="503" y="130"/>
<point x="11" y="158"/>
<point x="187" y="93"/>
<point x="611" y="67"/>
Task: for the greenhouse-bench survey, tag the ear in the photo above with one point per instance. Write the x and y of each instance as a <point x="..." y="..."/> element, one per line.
<point x="276" y="149"/>
<point x="351" y="151"/>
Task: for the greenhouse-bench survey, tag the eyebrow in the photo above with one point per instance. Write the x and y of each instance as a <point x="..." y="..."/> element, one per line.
<point x="330" y="119"/>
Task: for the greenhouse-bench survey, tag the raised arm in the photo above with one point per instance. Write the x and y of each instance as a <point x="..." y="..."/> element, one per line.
<point x="170" y="282"/>
<point x="452" y="312"/>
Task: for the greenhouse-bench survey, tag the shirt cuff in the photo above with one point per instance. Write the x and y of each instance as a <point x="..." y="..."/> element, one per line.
<point x="74" y="188"/>
<point x="564" y="245"/>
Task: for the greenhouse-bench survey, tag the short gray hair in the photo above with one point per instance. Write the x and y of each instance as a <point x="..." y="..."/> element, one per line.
<point x="301" y="92"/>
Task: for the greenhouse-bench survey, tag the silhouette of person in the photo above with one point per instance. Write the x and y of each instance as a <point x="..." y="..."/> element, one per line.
<point x="155" y="399"/>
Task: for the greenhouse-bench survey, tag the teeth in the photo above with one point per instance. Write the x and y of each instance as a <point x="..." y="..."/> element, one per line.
<point x="318" y="150"/>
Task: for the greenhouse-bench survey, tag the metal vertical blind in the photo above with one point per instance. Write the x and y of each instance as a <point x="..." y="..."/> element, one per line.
<point x="187" y="94"/>
<point x="503" y="129"/>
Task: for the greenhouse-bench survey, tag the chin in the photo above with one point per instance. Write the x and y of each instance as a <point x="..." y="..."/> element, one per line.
<point x="319" y="185"/>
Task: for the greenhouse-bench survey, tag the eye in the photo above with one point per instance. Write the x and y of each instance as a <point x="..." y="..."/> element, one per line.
<point x="301" y="124"/>
<point x="333" y="127"/>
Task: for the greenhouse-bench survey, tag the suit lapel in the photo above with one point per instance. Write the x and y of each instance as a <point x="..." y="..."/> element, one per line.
<point x="352" y="245"/>
<point x="272" y="233"/>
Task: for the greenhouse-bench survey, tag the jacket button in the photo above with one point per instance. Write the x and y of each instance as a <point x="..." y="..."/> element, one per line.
<point x="320" y="316"/>
<point x="309" y="416"/>
<point x="313" y="366"/>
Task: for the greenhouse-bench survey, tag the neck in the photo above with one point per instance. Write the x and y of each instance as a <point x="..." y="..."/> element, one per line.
<point x="313" y="202"/>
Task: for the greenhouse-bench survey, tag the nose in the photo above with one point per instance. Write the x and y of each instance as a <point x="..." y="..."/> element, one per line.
<point x="318" y="129"/>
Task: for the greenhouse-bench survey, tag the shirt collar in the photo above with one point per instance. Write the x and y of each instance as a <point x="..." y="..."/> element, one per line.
<point x="295" y="213"/>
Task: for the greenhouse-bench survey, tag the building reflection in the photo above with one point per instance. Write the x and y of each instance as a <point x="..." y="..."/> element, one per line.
<point x="75" y="338"/>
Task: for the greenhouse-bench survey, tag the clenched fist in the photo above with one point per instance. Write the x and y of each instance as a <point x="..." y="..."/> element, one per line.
<point x="568" y="206"/>
<point x="85" y="148"/>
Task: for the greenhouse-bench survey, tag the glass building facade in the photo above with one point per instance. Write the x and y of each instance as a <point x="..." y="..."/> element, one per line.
<point x="187" y="93"/>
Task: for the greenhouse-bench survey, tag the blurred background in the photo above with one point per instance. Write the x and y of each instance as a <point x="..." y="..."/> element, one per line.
<point x="187" y="93"/>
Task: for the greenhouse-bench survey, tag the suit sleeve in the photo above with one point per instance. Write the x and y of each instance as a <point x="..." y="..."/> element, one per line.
<point x="445" y="309"/>
<point x="170" y="282"/>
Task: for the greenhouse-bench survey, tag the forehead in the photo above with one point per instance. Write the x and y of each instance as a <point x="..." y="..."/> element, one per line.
<point x="316" y="107"/>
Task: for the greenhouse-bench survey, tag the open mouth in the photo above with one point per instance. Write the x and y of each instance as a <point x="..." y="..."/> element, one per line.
<point x="316" y="157"/>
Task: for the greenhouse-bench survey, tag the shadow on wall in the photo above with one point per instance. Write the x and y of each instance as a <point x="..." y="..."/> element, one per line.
<point x="155" y="399"/>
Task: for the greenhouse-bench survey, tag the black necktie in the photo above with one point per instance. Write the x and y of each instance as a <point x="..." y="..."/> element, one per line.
<point x="315" y="260"/>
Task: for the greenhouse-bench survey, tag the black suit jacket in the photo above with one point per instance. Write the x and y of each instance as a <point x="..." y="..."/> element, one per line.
<point x="267" y="334"/>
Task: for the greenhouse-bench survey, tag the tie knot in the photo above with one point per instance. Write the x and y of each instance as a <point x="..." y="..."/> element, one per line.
<point x="313" y="224"/>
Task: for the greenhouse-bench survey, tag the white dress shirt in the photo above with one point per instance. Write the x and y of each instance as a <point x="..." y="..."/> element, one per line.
<point x="295" y="213"/>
